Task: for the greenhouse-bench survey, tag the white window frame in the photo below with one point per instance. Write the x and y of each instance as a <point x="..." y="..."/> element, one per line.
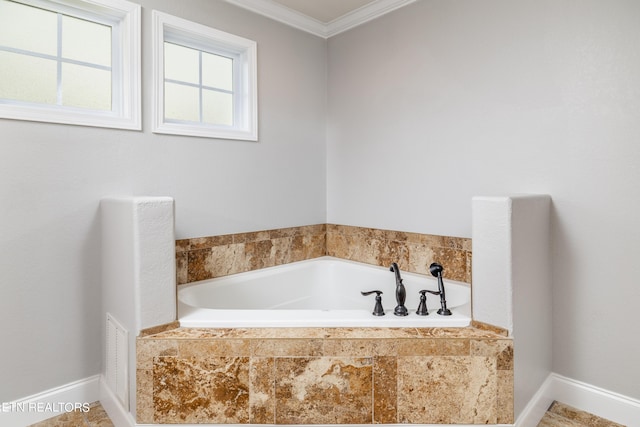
<point x="124" y="17"/>
<point x="190" y="34"/>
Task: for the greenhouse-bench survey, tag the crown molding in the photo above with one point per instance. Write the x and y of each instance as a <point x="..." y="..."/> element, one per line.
<point x="364" y="14"/>
<point x="283" y="14"/>
<point x="290" y="17"/>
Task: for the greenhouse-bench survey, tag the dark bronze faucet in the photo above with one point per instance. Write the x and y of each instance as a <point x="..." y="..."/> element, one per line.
<point x="436" y="271"/>
<point x="401" y="293"/>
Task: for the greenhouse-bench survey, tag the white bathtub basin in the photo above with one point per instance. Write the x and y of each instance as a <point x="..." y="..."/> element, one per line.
<point x="323" y="292"/>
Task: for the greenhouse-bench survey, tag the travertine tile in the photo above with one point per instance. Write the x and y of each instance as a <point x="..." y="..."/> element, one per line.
<point x="326" y="333"/>
<point x="502" y="350"/>
<point x="385" y="391"/>
<point x="159" y="328"/>
<point x="469" y="276"/>
<point x="560" y="414"/>
<point x="454" y="261"/>
<point x="252" y="236"/>
<point x="279" y="233"/>
<point x="183" y="245"/>
<point x="348" y="347"/>
<point x="75" y="418"/>
<point x="324" y="390"/>
<point x="433" y="347"/>
<point x="554" y="420"/>
<point x="390" y="251"/>
<point x="420" y="257"/>
<point x="487" y="327"/>
<point x="182" y="268"/>
<point x="285" y="250"/>
<point x="210" y="241"/>
<point x="194" y="390"/>
<point x="409" y="369"/>
<point x="286" y="347"/>
<point x="450" y="333"/>
<point x="147" y="349"/>
<point x="386" y="346"/>
<point x="262" y="399"/>
<point x="505" y="397"/>
<point x="412" y="251"/>
<point x="258" y="254"/>
<point x="198" y="265"/>
<point x="227" y="259"/>
<point x="98" y="417"/>
<point x="144" y="396"/>
<point x="95" y="417"/>
<point x="219" y="347"/>
<point x="371" y="333"/>
<point x="314" y="246"/>
<point x="215" y="256"/>
<point x="447" y="390"/>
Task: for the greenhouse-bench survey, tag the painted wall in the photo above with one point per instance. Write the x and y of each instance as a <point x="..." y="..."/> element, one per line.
<point x="52" y="178"/>
<point x="446" y="99"/>
<point x="427" y="106"/>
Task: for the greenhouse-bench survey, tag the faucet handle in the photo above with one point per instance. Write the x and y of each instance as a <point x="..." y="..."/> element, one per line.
<point x="377" y="310"/>
<point x="422" y="307"/>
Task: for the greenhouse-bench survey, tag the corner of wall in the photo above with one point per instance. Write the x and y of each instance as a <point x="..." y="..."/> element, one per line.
<point x="491" y="268"/>
<point x="512" y="282"/>
<point x="138" y="269"/>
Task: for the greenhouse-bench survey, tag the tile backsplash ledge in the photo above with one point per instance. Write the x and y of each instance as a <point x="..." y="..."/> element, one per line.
<point x="216" y="256"/>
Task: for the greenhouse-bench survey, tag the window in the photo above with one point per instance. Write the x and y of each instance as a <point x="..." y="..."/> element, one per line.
<point x="71" y="62"/>
<point x="204" y="81"/>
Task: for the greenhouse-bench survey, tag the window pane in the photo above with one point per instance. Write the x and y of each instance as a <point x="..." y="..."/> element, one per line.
<point x="27" y="78"/>
<point x="86" y="41"/>
<point x="217" y="71"/>
<point x="181" y="63"/>
<point x="86" y="87"/>
<point x="181" y="102"/>
<point x="217" y="108"/>
<point x="28" y="28"/>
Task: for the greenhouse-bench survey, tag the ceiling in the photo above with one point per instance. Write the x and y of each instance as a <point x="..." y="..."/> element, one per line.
<point x="324" y="18"/>
<point x="324" y="11"/>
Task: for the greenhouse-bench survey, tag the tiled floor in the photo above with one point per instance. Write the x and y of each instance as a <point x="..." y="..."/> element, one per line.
<point x="96" y="417"/>
<point x="561" y="415"/>
<point x="558" y="415"/>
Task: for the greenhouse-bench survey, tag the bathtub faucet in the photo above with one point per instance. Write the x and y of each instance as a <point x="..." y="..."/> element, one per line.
<point x="401" y="293"/>
<point x="436" y="271"/>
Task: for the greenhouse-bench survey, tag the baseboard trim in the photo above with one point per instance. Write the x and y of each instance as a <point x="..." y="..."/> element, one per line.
<point x="537" y="406"/>
<point x="598" y="401"/>
<point x="585" y="397"/>
<point x="50" y="403"/>
<point x="119" y="416"/>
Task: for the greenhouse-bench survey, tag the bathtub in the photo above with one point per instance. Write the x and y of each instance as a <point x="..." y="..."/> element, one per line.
<point x="322" y="292"/>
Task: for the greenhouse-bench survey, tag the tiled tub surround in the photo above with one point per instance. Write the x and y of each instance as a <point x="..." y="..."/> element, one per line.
<point x="413" y="252"/>
<point x="325" y="376"/>
<point x="215" y="256"/>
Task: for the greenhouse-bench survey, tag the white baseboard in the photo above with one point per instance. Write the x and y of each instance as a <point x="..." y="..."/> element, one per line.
<point x="111" y="404"/>
<point x="49" y="403"/>
<point x="598" y="401"/>
<point x="585" y="397"/>
<point x="537" y="406"/>
<point x="603" y="403"/>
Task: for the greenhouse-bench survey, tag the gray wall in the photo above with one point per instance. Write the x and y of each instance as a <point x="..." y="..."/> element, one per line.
<point x="52" y="178"/>
<point x="427" y="106"/>
<point x="446" y="99"/>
